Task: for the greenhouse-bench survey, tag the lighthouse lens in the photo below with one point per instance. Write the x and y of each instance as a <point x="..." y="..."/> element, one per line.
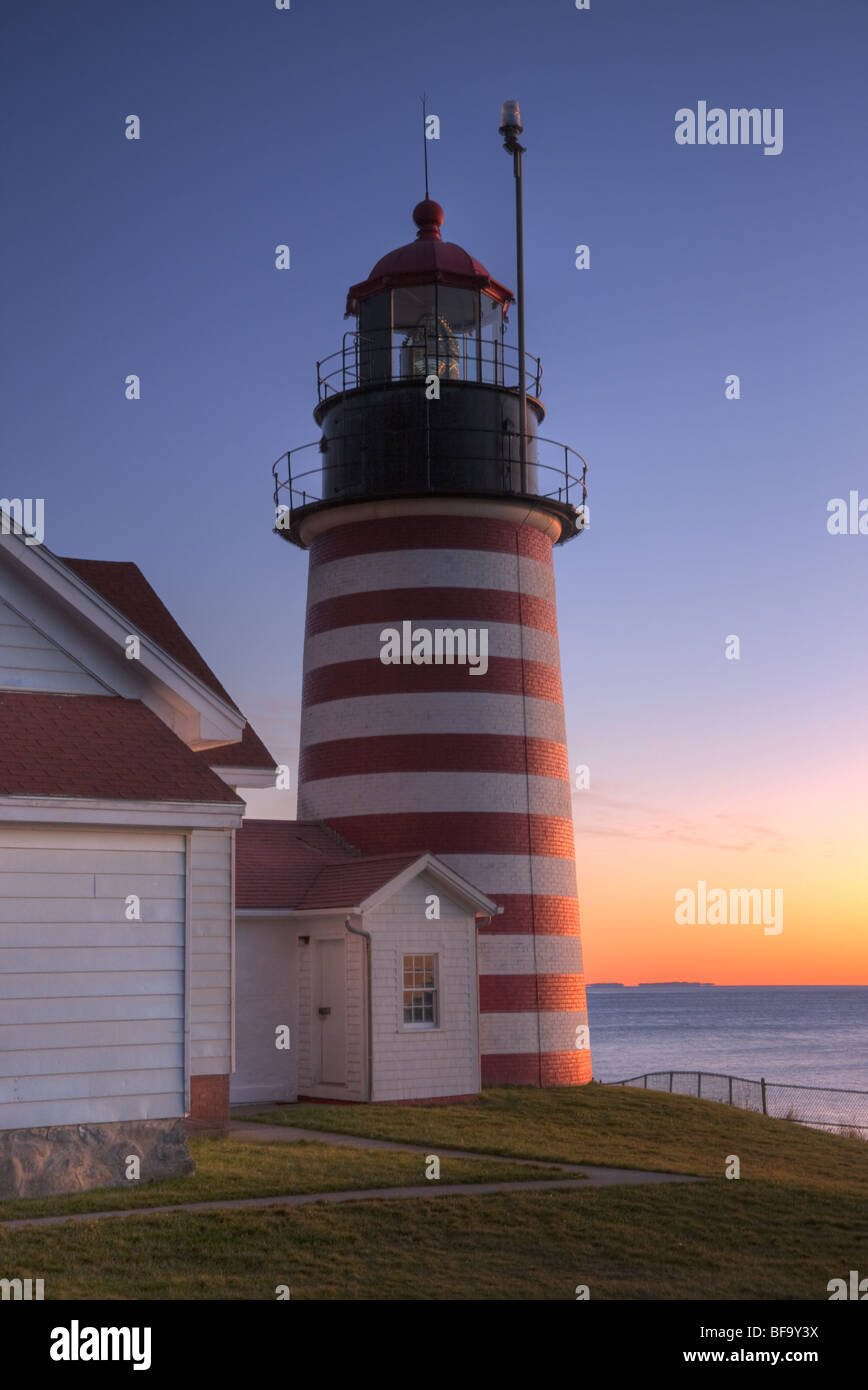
<point x="432" y="349"/>
<point x="436" y="332"/>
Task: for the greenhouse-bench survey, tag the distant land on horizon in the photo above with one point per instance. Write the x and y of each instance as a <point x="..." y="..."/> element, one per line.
<point x="704" y="984"/>
<point x="654" y="984"/>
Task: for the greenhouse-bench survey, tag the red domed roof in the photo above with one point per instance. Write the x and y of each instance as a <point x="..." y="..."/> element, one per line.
<point x="426" y="261"/>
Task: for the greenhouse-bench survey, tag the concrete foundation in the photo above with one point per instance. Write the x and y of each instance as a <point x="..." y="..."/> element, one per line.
<point x="55" y="1159"/>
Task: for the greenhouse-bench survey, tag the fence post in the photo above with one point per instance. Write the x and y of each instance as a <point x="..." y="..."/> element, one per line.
<point x="699" y="1083"/>
<point x="670" y="1081"/>
<point x="730" y="1090"/>
<point x="763" y="1086"/>
<point x="645" y="1078"/>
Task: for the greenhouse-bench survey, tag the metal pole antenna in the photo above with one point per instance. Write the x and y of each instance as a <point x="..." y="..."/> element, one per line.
<point x="519" y="287"/>
<point x="510" y="128"/>
<point x="424" y="101"/>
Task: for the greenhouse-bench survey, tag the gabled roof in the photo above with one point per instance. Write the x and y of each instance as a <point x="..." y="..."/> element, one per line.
<point x="97" y="746"/>
<point x="304" y="866"/>
<point x="124" y="586"/>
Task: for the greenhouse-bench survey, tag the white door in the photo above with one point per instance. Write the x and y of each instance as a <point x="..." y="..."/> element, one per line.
<point x="330" y="1016"/>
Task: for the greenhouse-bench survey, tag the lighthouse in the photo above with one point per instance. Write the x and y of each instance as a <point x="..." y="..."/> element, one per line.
<point x="432" y="710"/>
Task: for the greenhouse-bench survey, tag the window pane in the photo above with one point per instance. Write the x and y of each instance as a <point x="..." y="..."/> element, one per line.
<point x="419" y="995"/>
<point x="410" y="304"/>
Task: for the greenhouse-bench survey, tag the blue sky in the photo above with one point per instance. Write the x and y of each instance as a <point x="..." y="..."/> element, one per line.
<point x="708" y="517"/>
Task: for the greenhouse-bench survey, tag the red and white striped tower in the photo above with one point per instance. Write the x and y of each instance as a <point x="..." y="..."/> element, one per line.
<point x="423" y="514"/>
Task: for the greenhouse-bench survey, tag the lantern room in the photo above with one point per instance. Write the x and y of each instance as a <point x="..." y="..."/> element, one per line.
<point x="429" y="308"/>
<point x="422" y="397"/>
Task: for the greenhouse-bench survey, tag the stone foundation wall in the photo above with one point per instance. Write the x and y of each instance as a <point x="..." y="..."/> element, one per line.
<point x="74" y="1158"/>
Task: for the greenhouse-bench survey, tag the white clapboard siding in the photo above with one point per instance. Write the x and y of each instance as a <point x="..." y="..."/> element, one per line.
<point x="142" y="1008"/>
<point x="56" y="934"/>
<point x="52" y="984"/>
<point x="80" y="1061"/>
<point x="21" y="1038"/>
<point x="265" y="999"/>
<point x="84" y="1084"/>
<point x="91" y="1004"/>
<point x="31" y="661"/>
<point x="210" y="952"/>
<point x="57" y="909"/>
<point x="105" y="1110"/>
<point x="101" y="960"/>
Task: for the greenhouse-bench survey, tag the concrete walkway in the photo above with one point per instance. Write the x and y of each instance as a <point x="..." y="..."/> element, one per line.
<point x="291" y="1134"/>
<point x="587" y="1175"/>
<point x="594" y="1176"/>
<point x="600" y="1177"/>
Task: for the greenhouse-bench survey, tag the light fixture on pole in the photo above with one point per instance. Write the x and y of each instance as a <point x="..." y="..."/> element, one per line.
<point x="510" y="129"/>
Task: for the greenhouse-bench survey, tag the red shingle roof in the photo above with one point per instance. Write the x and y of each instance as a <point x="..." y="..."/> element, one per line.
<point x="97" y="746"/>
<point x="126" y="589"/>
<point x="305" y="865"/>
<point x="276" y="860"/>
<point x="346" y="885"/>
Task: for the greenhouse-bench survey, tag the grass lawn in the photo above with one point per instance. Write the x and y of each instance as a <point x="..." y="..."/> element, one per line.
<point x="624" y="1127"/>
<point x="227" y="1168"/>
<point x="797" y="1217"/>
<point x="733" y="1240"/>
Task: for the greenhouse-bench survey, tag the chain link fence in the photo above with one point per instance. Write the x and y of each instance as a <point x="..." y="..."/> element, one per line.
<point x="820" y="1107"/>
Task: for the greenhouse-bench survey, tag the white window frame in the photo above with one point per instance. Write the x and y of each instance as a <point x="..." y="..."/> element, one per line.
<point x="434" y="957"/>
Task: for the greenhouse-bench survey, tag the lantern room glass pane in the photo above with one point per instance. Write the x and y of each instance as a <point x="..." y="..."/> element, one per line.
<point x="424" y="339"/>
<point x="375" y="315"/>
<point x="459" y="309"/>
<point x="411" y="304"/>
<point x="491" y="333"/>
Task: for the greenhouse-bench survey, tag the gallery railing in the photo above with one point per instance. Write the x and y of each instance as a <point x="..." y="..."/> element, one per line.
<point x="367" y="359"/>
<point x="435" y="460"/>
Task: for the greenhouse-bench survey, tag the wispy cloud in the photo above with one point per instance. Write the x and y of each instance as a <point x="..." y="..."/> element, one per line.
<point x="597" y="815"/>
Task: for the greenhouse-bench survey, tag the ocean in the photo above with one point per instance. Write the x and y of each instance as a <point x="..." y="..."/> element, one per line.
<point x="813" y="1036"/>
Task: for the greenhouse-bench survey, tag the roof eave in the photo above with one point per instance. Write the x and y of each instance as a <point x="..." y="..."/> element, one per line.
<point x="254" y="778"/>
<point x="218" y="717"/>
<point x="366" y="289"/>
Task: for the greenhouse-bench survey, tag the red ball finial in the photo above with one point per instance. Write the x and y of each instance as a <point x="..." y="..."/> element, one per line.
<point x="428" y="217"/>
